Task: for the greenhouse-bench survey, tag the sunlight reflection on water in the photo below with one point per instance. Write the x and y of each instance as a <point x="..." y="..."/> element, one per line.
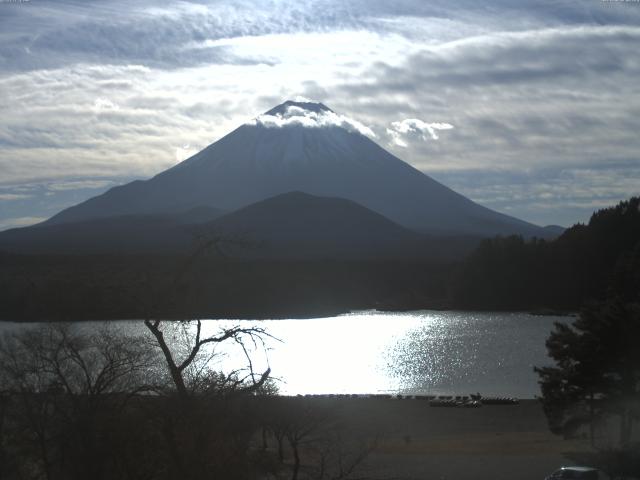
<point x="422" y="352"/>
<point x="410" y="352"/>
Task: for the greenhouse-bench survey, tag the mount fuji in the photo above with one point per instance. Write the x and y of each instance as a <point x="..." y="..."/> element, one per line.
<point x="301" y="147"/>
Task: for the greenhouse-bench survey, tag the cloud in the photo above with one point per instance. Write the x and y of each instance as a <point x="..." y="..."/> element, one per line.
<point x="7" y="223"/>
<point x="13" y="196"/>
<point x="399" y="131"/>
<point x="104" y="104"/>
<point x="47" y="34"/>
<point x="27" y="203"/>
<point x="79" y="185"/>
<point x="545" y="196"/>
<point x="55" y="131"/>
<point x="551" y="98"/>
<point x="175" y="35"/>
<point x="118" y="33"/>
<point x="297" y="116"/>
<point x="531" y="57"/>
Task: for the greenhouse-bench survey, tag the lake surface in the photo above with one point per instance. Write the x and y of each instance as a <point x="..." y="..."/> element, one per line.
<point x="420" y="352"/>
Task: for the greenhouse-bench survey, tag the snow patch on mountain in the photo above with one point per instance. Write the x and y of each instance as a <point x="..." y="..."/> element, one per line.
<point x="318" y="117"/>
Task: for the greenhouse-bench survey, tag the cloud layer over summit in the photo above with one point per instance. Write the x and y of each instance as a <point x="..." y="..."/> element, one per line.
<point x="530" y="108"/>
<point x="294" y="115"/>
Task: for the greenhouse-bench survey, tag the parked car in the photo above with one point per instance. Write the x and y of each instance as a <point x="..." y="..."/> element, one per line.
<point x="578" y="473"/>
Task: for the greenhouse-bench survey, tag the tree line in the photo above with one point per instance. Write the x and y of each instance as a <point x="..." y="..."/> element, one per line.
<point x="511" y="273"/>
<point x="594" y="383"/>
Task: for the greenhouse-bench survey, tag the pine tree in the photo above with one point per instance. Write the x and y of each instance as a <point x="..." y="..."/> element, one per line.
<point x="597" y="370"/>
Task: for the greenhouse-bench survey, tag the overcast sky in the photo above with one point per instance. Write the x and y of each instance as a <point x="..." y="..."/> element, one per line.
<point x="529" y="108"/>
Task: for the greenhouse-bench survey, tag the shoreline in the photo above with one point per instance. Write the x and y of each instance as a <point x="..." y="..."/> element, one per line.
<point x="310" y="315"/>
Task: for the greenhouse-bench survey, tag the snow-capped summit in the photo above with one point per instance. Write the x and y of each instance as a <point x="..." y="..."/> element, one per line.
<point x="302" y="104"/>
<point x="308" y="114"/>
<point x="307" y="147"/>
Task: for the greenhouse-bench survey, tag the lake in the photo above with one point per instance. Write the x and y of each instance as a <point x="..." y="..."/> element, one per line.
<point x="419" y="352"/>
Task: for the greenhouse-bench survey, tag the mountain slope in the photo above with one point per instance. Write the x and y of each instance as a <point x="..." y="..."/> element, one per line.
<point x="292" y="226"/>
<point x="302" y="147"/>
<point x="299" y="225"/>
<point x="118" y="234"/>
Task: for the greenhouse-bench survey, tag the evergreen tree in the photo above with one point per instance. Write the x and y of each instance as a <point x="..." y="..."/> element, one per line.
<point x="510" y="273"/>
<point x="597" y="358"/>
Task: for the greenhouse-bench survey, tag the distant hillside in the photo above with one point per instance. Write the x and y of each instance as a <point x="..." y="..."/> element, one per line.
<point x="289" y="226"/>
<point x="124" y="234"/>
<point x="297" y="225"/>
<point x="504" y="273"/>
<point x="510" y="273"/>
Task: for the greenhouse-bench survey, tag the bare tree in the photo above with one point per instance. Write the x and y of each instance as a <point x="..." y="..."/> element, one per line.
<point x="179" y="367"/>
<point x="338" y="455"/>
<point x="320" y="444"/>
<point x="205" y="433"/>
<point x="63" y="385"/>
